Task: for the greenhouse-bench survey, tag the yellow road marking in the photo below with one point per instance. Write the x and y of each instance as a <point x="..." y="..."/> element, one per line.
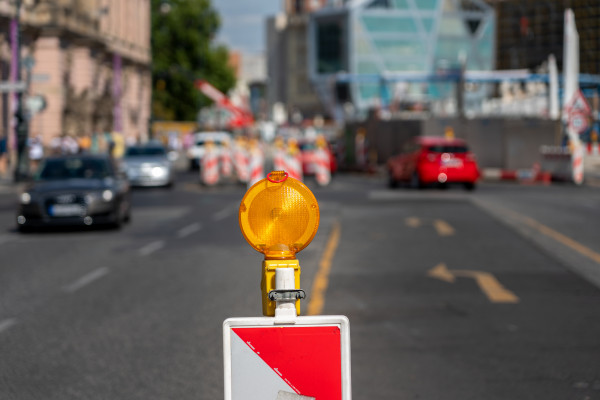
<point x="317" y="296"/>
<point x="413" y="222"/>
<point x="559" y="237"/>
<point x="443" y="228"/>
<point x="487" y="282"/>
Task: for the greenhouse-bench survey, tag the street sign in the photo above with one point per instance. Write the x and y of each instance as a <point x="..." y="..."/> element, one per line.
<point x="309" y="359"/>
<point x="578" y="121"/>
<point x="7" y="86"/>
<point x="579" y="104"/>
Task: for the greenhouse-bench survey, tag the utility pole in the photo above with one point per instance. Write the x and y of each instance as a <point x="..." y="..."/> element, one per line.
<point x="21" y="128"/>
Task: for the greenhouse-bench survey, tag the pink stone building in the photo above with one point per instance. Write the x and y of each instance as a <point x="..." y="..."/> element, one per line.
<point x="91" y="63"/>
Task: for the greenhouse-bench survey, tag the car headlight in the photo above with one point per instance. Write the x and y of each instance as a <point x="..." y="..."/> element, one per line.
<point x="107" y="195"/>
<point x="158" y="172"/>
<point x="25" y="198"/>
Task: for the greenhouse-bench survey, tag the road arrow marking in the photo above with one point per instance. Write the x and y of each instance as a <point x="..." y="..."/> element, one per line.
<point x="487" y="282"/>
<point x="443" y="228"/>
<point x="413" y="222"/>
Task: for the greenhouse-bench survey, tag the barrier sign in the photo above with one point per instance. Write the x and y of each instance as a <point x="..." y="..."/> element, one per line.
<point x="309" y="359"/>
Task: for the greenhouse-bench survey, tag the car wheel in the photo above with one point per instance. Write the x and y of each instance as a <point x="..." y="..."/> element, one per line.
<point x="415" y="181"/>
<point x="127" y="217"/>
<point x="392" y="183"/>
<point x="24" y="229"/>
<point x="470" y="186"/>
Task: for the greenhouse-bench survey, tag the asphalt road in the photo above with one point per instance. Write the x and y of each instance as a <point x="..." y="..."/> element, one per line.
<point x="450" y="294"/>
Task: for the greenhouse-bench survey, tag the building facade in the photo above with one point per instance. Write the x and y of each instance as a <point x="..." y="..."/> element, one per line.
<point x="364" y="53"/>
<point x="289" y="86"/>
<point x="89" y="60"/>
<point x="530" y="30"/>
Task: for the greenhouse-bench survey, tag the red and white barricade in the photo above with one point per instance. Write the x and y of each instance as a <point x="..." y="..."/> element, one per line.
<point x="293" y="165"/>
<point x="240" y="163"/>
<point x="322" y="166"/>
<point x="257" y="170"/>
<point x="279" y="160"/>
<point x="226" y="163"/>
<point x="210" y="166"/>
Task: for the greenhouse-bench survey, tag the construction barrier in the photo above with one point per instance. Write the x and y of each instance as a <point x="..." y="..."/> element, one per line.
<point x="240" y="162"/>
<point x="226" y="162"/>
<point x="210" y="165"/>
<point x="256" y="167"/>
<point x="322" y="166"/>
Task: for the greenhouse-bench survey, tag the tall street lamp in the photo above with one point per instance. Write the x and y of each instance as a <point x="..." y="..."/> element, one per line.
<point x="164" y="8"/>
<point x="21" y="127"/>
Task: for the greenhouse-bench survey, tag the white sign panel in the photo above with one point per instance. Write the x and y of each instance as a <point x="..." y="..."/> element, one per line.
<point x="7" y="86"/>
<point x="307" y="360"/>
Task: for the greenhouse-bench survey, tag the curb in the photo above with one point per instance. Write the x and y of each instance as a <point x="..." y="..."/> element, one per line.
<point x="525" y="176"/>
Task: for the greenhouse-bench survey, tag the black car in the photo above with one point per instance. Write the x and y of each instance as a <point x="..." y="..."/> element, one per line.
<point x="81" y="189"/>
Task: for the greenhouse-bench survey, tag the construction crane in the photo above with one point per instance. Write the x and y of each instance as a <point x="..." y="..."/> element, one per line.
<point x="240" y="118"/>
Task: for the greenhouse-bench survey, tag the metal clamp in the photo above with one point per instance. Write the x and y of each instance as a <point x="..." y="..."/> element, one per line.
<point x="286" y="294"/>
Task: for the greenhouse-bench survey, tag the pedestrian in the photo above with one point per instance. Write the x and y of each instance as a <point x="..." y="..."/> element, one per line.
<point x="3" y="156"/>
<point x="36" y="152"/>
<point x="85" y="143"/>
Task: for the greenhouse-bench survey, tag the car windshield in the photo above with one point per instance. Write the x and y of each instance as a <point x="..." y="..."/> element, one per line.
<point x="145" y="151"/>
<point x="74" y="168"/>
<point x="216" y="142"/>
<point x="307" y="146"/>
<point x="448" y="149"/>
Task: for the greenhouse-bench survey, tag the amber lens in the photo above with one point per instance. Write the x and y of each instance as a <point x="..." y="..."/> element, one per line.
<point x="281" y="217"/>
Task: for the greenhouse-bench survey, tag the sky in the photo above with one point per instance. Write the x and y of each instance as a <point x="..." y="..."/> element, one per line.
<point x="243" y="23"/>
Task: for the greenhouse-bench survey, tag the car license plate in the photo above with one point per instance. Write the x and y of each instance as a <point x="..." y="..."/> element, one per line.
<point x="453" y="163"/>
<point x="66" y="210"/>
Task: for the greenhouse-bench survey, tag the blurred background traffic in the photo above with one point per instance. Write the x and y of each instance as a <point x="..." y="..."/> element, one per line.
<point x="511" y="78"/>
<point x="452" y="146"/>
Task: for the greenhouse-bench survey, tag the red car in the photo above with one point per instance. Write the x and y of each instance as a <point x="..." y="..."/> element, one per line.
<point x="428" y="160"/>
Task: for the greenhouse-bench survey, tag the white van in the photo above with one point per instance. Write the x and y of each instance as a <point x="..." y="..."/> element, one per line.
<point x="196" y="151"/>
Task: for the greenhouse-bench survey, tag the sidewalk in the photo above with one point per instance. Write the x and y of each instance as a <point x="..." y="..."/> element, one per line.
<point x="8" y="186"/>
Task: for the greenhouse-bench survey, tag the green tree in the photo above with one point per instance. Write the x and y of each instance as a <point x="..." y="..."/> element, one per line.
<point x="182" y="51"/>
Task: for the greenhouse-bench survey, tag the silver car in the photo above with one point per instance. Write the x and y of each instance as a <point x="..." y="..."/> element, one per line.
<point x="148" y="165"/>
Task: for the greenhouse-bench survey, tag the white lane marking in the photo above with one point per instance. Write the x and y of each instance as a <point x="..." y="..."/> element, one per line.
<point x="188" y="230"/>
<point x="224" y="213"/>
<point x="86" y="280"/>
<point x="152" y="247"/>
<point x="6" y="324"/>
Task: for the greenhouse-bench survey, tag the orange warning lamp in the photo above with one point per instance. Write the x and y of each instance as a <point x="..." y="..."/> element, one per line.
<point x="279" y="216"/>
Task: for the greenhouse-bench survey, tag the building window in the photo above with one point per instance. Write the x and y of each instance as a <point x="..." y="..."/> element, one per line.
<point x="330" y="49"/>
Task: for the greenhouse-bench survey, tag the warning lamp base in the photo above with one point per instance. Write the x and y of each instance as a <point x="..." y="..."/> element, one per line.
<point x="268" y="284"/>
<point x="287" y="294"/>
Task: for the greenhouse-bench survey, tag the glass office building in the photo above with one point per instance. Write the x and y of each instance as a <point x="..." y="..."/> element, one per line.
<point x="381" y="52"/>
